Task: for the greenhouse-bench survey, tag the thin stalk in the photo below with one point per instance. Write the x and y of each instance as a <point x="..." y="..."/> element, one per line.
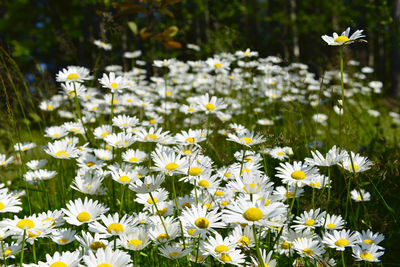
<point x="78" y="111"/>
<point x="159" y="214"/>
<point x="260" y="260"/>
<point x="22" y="249"/>
<point x="343" y="261"/>
<point x="122" y="198"/>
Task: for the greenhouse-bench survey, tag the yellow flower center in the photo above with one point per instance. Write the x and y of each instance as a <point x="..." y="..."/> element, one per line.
<point x="194" y="171"/>
<point x="316" y="184"/>
<point x="289" y="194"/>
<point x="298" y="175"/>
<point x="162" y="236"/>
<point x="341" y="242"/>
<point x="191" y="231"/>
<point x="280" y="153"/>
<point x="225" y="257"/>
<point x="186" y="205"/>
<point x="198" y="259"/>
<point x="53" y="222"/>
<point x="33" y="234"/>
<point x="116" y="227"/>
<point x="90" y="164"/>
<point x="173" y="254"/>
<point x="150" y="201"/>
<point x="83" y="216"/>
<point x="7" y="252"/>
<point x="247" y="140"/>
<point x="244" y="240"/>
<point x="151" y="136"/>
<point x="342" y="39"/>
<point x="58" y="264"/>
<point x="285" y="245"/>
<point x="104" y="134"/>
<point x="246" y="170"/>
<point x="224" y="203"/>
<point x="253" y="214"/>
<point x="227" y="175"/>
<point x="366" y="256"/>
<point x="204" y="183"/>
<point x="247" y="53"/>
<point x="267" y="201"/>
<point x="152" y="121"/>
<point x="63" y="240"/>
<point x="218" y="65"/>
<point x="251" y="187"/>
<point x="96" y="245"/>
<point x="207" y="205"/>
<point x="162" y="211"/>
<point x="56" y="135"/>
<point x="62" y="154"/>
<point x="25" y="223"/>
<point x="210" y="106"/>
<point x="168" y="93"/>
<point x="308" y="251"/>
<point x="331" y="225"/>
<point x="350" y="167"/>
<point x="50" y="107"/>
<point x="124" y="179"/>
<point x="368" y="241"/>
<point x="135" y="242"/>
<point x="113" y="85"/>
<point x="1" y="205"/>
<point x="221" y="248"/>
<point x="134" y="159"/>
<point x="105" y="265"/>
<point x="219" y="193"/>
<point x="187" y="151"/>
<point x="309" y="222"/>
<point x="72" y="76"/>
<point x="171" y="166"/>
<point x="190" y="140"/>
<point x="202" y="222"/>
<point x="190" y="109"/>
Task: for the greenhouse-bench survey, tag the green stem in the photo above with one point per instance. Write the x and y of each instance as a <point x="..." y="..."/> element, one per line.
<point x="22" y="249"/>
<point x="159" y="214"/>
<point x="122" y="199"/>
<point x="78" y="111"/>
<point x="343" y="261"/>
<point x="259" y="257"/>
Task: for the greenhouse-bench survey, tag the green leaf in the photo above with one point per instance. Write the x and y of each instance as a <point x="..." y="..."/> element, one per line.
<point x="132" y="25"/>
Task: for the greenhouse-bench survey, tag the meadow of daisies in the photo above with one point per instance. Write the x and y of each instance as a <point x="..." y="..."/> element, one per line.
<point x="235" y="159"/>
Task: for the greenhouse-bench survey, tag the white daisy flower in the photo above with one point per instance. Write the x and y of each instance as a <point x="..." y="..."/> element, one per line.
<point x="78" y="212"/>
<point x="344" y="38"/>
<point x="339" y="240"/>
<point x="108" y="257"/>
<point x="62" y="150"/>
<point x="73" y="74"/>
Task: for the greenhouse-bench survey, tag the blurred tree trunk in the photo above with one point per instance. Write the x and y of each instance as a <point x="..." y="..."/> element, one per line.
<point x="396" y="51"/>
<point x="296" y="48"/>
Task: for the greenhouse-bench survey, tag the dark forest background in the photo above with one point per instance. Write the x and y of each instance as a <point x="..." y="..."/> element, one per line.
<point x="44" y="36"/>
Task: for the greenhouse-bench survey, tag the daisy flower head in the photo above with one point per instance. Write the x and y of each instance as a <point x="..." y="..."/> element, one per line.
<point x="334" y="222"/>
<point x="92" y="243"/>
<point x="242" y="237"/>
<point x="73" y="74"/>
<point x="112" y="82"/>
<point x="333" y="157"/>
<point x="210" y="104"/>
<point x="88" y="182"/>
<point x="4" y="161"/>
<point x="360" y="195"/>
<point x="173" y="251"/>
<point x="298" y="173"/>
<point x="367" y="253"/>
<point x="147" y="184"/>
<point x="63" y="236"/>
<point x="246" y="138"/>
<point x="120" y="140"/>
<point x="278" y="153"/>
<point x="113" y="225"/>
<point x="248" y="212"/>
<point x="56" y="132"/>
<point x="134" y="156"/>
<point x="66" y="258"/>
<point x="79" y="212"/>
<point x="108" y="257"/>
<point x="136" y="240"/>
<point x="356" y="163"/>
<point x="103" y="45"/>
<point x="9" y="203"/>
<point x="153" y="135"/>
<point x="62" y="149"/>
<point x="168" y="162"/>
<point x="201" y="221"/>
<point x="308" y="221"/>
<point x="24" y="146"/>
<point x="339" y="240"/>
<point x="369" y="238"/>
<point x="125" y="122"/>
<point x="102" y="131"/>
<point x="308" y="247"/>
<point x="344" y="38"/>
